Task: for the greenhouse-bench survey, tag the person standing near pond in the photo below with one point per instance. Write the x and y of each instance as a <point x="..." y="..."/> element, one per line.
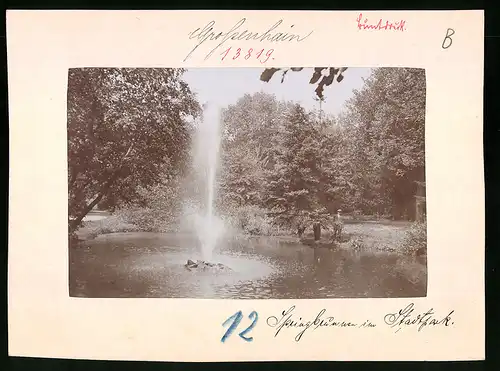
<point x="317" y="230"/>
<point x="300" y="230"/>
<point x="317" y="225"/>
<point x="338" y="226"/>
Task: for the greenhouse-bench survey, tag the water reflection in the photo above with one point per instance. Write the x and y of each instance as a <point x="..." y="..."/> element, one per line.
<point x="151" y="265"/>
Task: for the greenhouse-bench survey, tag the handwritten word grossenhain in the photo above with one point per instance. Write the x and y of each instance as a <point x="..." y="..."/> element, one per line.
<point x="277" y="33"/>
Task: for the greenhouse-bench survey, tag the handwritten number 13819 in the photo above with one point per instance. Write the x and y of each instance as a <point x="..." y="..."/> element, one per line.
<point x="250" y="53"/>
<point x="234" y="321"/>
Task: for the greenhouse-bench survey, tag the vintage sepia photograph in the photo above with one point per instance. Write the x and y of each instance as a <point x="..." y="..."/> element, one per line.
<point x="247" y="183"/>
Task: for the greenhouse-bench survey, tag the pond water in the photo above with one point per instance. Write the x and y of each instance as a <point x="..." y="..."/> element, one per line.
<point x="152" y="265"/>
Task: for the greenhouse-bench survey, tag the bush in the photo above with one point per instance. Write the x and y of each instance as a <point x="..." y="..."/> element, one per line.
<point x="251" y="220"/>
<point x="148" y="219"/>
<point x="357" y="244"/>
<point x="160" y="208"/>
<point x="415" y="240"/>
<point x="112" y="224"/>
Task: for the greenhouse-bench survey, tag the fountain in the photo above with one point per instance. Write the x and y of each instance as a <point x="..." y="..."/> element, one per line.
<point x="207" y="225"/>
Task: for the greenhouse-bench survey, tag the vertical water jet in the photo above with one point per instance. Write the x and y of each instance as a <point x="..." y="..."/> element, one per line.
<point x="206" y="160"/>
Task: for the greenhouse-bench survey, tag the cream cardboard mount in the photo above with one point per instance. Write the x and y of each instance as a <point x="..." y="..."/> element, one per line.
<point x="447" y="323"/>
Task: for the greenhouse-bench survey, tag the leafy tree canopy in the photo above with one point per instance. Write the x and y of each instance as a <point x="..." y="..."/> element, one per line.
<point x="124" y="126"/>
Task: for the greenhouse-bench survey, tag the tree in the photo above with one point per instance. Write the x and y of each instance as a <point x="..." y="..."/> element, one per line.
<point x="251" y="128"/>
<point x="294" y="183"/>
<point x="388" y="153"/>
<point x="124" y="126"/>
<point x="335" y="169"/>
<point x="318" y="73"/>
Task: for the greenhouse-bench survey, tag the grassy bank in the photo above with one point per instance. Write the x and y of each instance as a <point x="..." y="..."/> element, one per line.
<point x="90" y="229"/>
<point x="404" y="238"/>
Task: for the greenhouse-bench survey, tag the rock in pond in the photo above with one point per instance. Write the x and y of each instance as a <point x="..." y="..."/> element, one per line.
<point x="201" y="265"/>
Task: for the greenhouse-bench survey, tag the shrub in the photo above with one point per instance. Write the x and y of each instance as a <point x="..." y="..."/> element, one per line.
<point x="250" y="219"/>
<point x="357" y="244"/>
<point x="148" y="219"/>
<point x="160" y="208"/>
<point x="415" y="240"/>
<point x="112" y="224"/>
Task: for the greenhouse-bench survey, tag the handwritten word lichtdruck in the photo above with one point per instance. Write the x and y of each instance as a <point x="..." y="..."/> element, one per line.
<point x="288" y="179"/>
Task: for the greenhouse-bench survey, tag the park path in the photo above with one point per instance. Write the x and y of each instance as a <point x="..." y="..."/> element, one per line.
<point x="96" y="215"/>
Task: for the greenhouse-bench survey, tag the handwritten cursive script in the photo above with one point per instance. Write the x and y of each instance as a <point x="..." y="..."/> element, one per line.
<point x="363" y="24"/>
<point x="208" y="33"/>
<point x="405" y="317"/>
<point x="287" y="320"/>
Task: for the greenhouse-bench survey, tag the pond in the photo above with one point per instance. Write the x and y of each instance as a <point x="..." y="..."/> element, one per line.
<point x="141" y="265"/>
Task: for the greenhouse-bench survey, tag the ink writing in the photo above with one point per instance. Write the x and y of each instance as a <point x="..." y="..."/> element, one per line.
<point x="288" y="320"/>
<point x="367" y="323"/>
<point x="261" y="55"/>
<point x="233" y="323"/>
<point x="209" y="34"/>
<point x="406" y="318"/>
<point x="447" y="39"/>
<point x="365" y="24"/>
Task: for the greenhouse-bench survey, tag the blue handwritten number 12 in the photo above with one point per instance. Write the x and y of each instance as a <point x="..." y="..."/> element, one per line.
<point x="235" y="320"/>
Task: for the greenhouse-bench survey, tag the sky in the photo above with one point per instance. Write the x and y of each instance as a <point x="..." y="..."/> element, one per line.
<point x="224" y="86"/>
